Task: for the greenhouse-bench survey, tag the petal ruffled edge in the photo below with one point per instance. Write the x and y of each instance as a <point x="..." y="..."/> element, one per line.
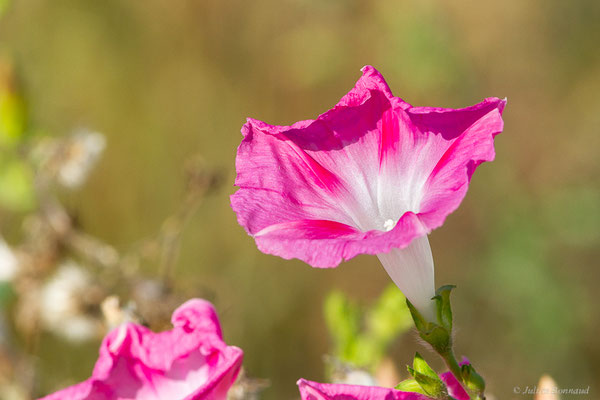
<point x="343" y="244"/>
<point x="221" y="379"/>
<point x="370" y="80"/>
<point x="473" y="129"/>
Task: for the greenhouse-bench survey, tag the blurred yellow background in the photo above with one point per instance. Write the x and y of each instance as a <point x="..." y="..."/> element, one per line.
<point x="166" y="81"/>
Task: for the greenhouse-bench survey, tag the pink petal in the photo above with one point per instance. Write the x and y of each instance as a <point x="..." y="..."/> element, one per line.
<point x="455" y="389"/>
<point x="367" y="177"/>
<point x="189" y="362"/>
<point x="323" y="243"/>
<point x="466" y="137"/>
<point x="321" y="170"/>
<point x="328" y="189"/>
<point x="321" y="391"/>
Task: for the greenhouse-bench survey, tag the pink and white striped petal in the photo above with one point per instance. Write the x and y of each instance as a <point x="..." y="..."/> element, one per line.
<point x="367" y="177"/>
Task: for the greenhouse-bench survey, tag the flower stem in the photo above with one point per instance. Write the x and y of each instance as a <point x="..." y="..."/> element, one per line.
<point x="452" y="364"/>
<point x="438" y="334"/>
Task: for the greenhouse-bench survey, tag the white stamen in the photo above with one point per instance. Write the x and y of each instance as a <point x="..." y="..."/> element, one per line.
<point x="389" y="224"/>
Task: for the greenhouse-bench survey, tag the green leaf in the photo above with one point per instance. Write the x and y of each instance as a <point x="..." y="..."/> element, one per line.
<point x="16" y="185"/>
<point x="384" y="321"/>
<point x="13" y="110"/>
<point x="432" y="386"/>
<point x="426" y="378"/>
<point x="4" y="4"/>
<point x="362" y="339"/>
<point x="389" y="317"/>
<point x="6" y="293"/>
<point x="421" y="366"/>
<point x="410" y="385"/>
<point x="343" y="321"/>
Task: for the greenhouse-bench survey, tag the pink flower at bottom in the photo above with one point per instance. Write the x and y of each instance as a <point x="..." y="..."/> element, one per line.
<point x="334" y="391"/>
<point x="189" y="362"/>
<point x="331" y="391"/>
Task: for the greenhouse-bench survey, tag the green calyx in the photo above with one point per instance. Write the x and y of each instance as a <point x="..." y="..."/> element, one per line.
<point x="437" y="333"/>
<point x="443" y="308"/>
<point x="472" y="379"/>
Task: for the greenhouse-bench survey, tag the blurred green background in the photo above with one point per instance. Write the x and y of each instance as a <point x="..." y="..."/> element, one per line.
<point x="170" y="80"/>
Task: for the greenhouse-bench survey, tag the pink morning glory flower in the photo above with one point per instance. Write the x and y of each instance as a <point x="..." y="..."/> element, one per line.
<point x="331" y="391"/>
<point x="189" y="362"/>
<point x="373" y="175"/>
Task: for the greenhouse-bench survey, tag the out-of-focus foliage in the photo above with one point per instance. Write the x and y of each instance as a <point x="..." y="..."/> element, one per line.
<point x="16" y="185"/>
<point x="360" y="337"/>
<point x="424" y="53"/>
<point x="343" y="323"/>
<point x="12" y="108"/>
<point x="4" y="4"/>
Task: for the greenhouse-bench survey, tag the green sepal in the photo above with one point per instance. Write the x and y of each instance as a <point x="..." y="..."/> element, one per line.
<point x="410" y="385"/>
<point x="420" y="322"/>
<point x="472" y="379"/>
<point x="443" y="307"/>
<point x="437" y="336"/>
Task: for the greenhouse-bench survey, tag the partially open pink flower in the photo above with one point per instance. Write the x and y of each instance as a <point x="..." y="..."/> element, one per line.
<point x="331" y="391"/>
<point x="189" y="362"/>
<point x="373" y="175"/>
